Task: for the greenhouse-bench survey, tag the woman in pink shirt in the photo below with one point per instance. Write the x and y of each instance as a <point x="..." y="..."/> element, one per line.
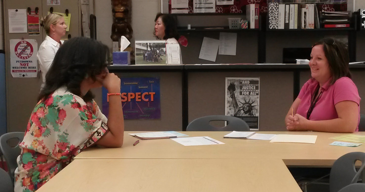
<point x="329" y="101"/>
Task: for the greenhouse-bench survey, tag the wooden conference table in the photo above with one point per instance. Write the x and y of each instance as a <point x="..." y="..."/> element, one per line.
<point x="164" y="165"/>
<point x="293" y="154"/>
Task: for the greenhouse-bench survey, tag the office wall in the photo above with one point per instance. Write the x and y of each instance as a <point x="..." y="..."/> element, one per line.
<point x="359" y="4"/>
<point x="206" y="95"/>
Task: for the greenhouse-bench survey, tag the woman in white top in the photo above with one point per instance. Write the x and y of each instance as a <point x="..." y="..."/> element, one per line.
<point x="55" y="27"/>
<point x="166" y="29"/>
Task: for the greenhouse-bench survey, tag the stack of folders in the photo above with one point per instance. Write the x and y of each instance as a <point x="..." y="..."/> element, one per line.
<point x="335" y="19"/>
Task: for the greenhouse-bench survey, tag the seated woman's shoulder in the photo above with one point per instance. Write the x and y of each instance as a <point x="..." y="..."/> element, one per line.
<point x="64" y="96"/>
<point x="344" y="81"/>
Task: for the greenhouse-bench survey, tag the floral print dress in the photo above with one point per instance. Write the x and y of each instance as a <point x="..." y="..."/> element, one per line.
<point x="59" y="127"/>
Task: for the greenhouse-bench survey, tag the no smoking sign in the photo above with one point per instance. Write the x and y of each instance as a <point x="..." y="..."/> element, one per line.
<point x="23" y="50"/>
<point x="23" y="58"/>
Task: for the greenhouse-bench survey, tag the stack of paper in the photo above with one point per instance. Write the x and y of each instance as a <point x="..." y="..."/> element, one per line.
<point x="259" y="136"/>
<point x="239" y="134"/>
<point x="195" y="141"/>
<point x="249" y="135"/>
<point x="158" y="135"/>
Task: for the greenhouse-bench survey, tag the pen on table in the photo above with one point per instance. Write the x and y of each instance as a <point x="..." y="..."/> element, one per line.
<point x="135" y="143"/>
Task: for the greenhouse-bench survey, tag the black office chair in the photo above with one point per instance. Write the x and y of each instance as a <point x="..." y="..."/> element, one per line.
<point x="9" y="145"/>
<point x="356" y="187"/>
<point x="233" y="124"/>
<point x="362" y="122"/>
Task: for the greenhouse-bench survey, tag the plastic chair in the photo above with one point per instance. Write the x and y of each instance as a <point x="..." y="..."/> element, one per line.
<point x="356" y="187"/>
<point x="12" y="152"/>
<point x="362" y="122"/>
<point x="5" y="182"/>
<point x="233" y="124"/>
<point x="343" y="171"/>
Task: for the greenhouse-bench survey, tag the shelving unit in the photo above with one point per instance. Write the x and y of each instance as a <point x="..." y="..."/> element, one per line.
<point x="280" y="36"/>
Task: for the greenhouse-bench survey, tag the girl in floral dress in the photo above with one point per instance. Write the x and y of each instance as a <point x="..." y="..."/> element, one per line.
<point x="66" y="120"/>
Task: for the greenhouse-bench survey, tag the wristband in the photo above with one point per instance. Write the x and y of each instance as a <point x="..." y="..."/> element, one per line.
<point x="112" y="94"/>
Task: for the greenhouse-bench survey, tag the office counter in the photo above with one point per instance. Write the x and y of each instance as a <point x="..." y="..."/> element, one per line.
<point x="195" y="90"/>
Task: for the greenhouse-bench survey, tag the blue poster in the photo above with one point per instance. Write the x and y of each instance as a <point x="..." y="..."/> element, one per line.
<point x="140" y="98"/>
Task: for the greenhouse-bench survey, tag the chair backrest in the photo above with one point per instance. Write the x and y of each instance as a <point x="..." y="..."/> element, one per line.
<point x="233" y="124"/>
<point x="362" y="122"/>
<point x="343" y="171"/>
<point x="356" y="187"/>
<point x="5" y="182"/>
<point x="11" y="152"/>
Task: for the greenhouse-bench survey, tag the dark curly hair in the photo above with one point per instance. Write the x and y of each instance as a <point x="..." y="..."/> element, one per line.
<point x="170" y="26"/>
<point x="76" y="59"/>
<point x="337" y="56"/>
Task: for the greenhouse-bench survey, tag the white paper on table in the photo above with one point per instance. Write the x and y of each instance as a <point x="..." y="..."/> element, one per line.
<point x="239" y="134"/>
<point x="158" y="134"/>
<point x="196" y="141"/>
<point x="179" y="3"/>
<point x="225" y="2"/>
<point x="209" y="49"/>
<point x="17" y="20"/>
<point x="259" y="136"/>
<point x="227" y="43"/>
<point x="173" y="53"/>
<point x="287" y="138"/>
<point x="204" y="6"/>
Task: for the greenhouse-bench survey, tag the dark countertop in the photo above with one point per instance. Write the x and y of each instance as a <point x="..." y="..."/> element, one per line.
<point x="216" y="67"/>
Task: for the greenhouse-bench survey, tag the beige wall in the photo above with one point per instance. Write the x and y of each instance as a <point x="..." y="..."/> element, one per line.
<point x="360" y="4"/>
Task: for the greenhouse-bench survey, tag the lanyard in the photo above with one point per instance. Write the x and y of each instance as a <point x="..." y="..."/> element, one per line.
<point x="314" y="101"/>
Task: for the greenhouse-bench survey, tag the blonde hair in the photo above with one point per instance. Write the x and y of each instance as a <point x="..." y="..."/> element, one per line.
<point x="49" y="20"/>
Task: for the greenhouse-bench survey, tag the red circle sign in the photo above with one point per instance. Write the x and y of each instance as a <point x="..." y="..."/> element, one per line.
<point x="23" y="50"/>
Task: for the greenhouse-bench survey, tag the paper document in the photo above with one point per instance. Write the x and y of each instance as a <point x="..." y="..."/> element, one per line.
<point x="259" y="136"/>
<point x="345" y="144"/>
<point x="204" y="6"/>
<point x="294" y="138"/>
<point x="173" y="53"/>
<point x="227" y="43"/>
<point x="209" y="49"/>
<point x="351" y="138"/>
<point x="195" y="141"/>
<point x="158" y="135"/>
<point x="179" y="4"/>
<point x="17" y="20"/>
<point x="225" y="2"/>
<point x="239" y="134"/>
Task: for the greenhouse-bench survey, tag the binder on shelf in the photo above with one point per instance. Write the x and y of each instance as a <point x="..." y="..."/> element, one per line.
<point x="287" y="15"/>
<point x="281" y="20"/>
